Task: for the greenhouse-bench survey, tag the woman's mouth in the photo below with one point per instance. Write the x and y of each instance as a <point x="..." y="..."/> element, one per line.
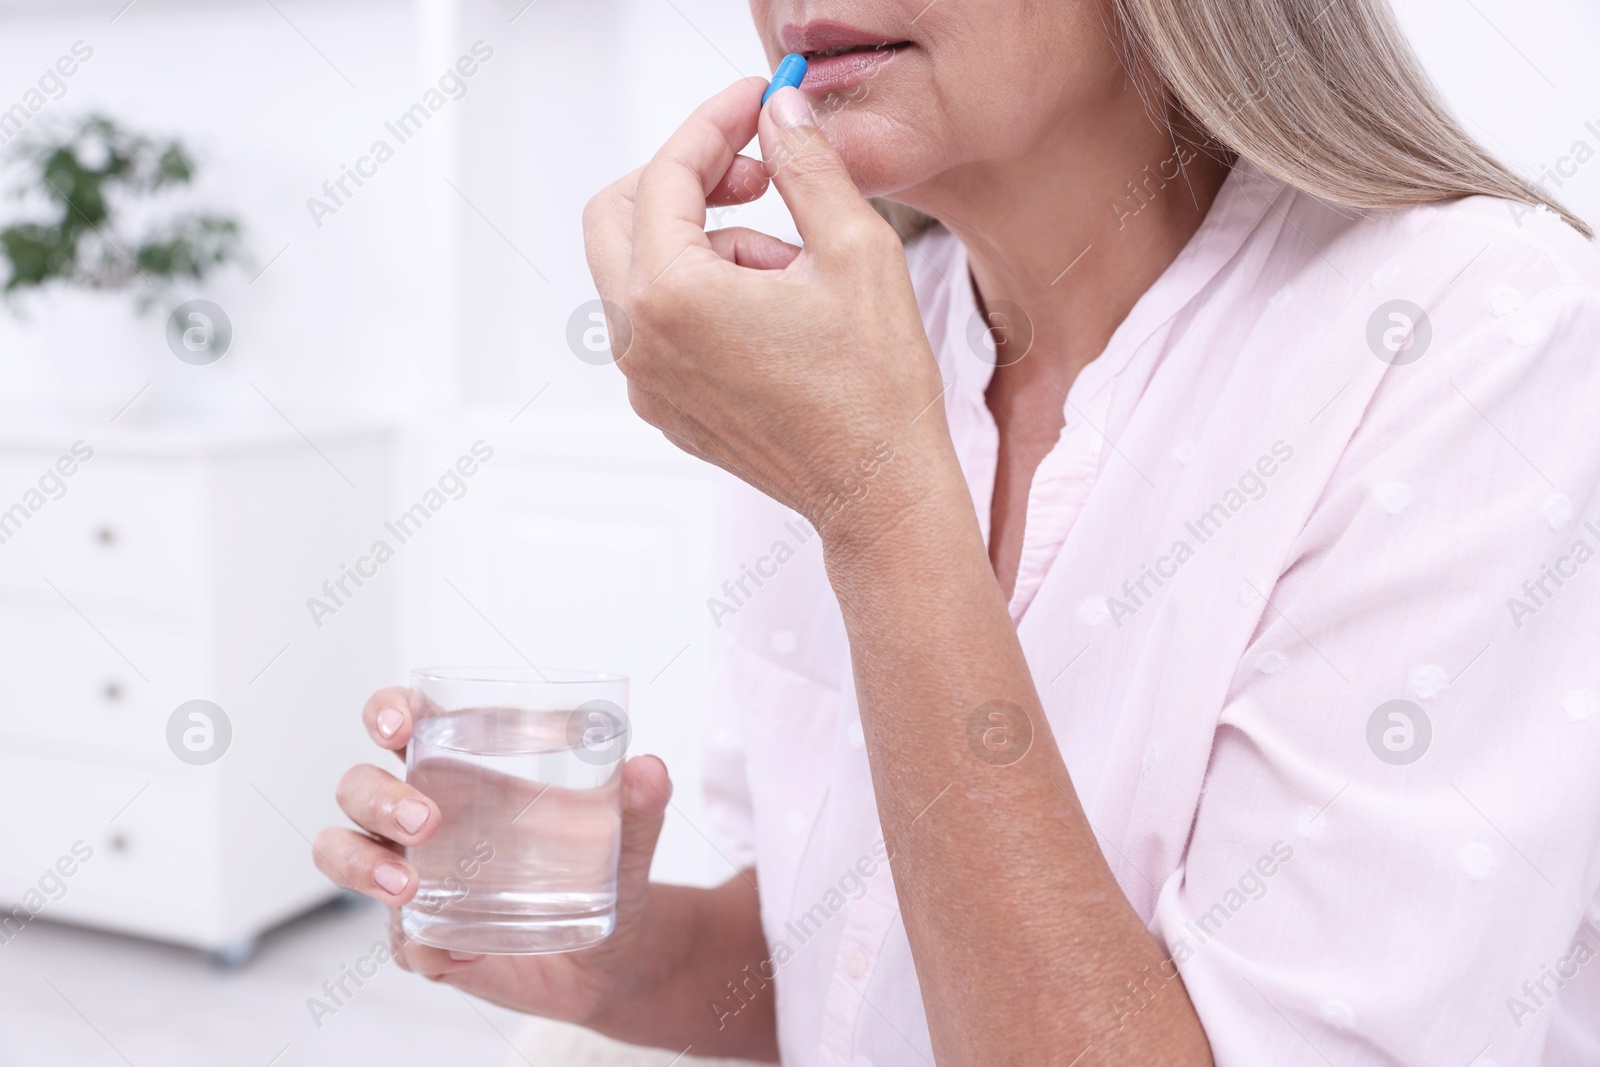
<point x="831" y="53"/>
<point x="838" y="56"/>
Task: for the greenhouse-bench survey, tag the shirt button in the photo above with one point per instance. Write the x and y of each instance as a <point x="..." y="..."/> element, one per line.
<point x="860" y="1061"/>
<point x="855" y="964"/>
<point x="796" y="820"/>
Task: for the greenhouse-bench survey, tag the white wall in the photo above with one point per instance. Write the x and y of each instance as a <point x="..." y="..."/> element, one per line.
<point x="1521" y="74"/>
<point x="350" y="314"/>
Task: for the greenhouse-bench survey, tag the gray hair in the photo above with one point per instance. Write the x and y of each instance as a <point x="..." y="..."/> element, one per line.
<point x="1325" y="95"/>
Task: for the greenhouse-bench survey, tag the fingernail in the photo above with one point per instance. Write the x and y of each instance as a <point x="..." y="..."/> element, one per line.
<point x="392" y="877"/>
<point x="411" y="814"/>
<point x="466" y="957"/>
<point x="389" y="721"/>
<point x="790" y="108"/>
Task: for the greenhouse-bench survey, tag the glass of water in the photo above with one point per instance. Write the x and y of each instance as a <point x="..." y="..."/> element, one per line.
<point x="526" y="767"/>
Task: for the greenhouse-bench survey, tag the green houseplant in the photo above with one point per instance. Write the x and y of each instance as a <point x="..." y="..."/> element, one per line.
<point x="99" y="222"/>
<point x="88" y="181"/>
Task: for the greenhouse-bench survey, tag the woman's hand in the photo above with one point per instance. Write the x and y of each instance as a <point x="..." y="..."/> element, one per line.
<point x="799" y="370"/>
<point x="576" y="986"/>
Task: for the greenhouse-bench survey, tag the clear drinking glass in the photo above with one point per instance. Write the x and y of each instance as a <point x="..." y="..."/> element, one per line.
<point x="526" y="767"/>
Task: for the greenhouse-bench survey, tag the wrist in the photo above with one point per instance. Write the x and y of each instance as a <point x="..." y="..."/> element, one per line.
<point x="915" y="500"/>
<point x="667" y="976"/>
<point x="647" y="955"/>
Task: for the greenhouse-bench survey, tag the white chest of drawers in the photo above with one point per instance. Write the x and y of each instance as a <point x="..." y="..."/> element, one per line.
<point x="170" y="566"/>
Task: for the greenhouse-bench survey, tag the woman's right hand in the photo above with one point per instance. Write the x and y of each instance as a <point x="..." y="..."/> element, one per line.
<point x="572" y="986"/>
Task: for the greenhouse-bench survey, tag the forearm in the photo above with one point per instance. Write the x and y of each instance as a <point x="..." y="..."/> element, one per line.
<point x="704" y="979"/>
<point x="1023" y="940"/>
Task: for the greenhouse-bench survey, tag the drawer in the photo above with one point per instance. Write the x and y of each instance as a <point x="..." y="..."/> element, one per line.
<point x="67" y="683"/>
<point x="150" y="840"/>
<point x="117" y="529"/>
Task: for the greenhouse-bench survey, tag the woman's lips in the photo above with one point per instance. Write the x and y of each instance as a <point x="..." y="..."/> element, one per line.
<point x="862" y="53"/>
<point x="835" y="73"/>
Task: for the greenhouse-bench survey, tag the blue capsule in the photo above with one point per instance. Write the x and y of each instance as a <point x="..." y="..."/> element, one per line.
<point x="792" y="71"/>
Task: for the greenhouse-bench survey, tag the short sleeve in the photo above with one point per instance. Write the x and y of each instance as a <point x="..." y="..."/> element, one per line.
<point x="1394" y="858"/>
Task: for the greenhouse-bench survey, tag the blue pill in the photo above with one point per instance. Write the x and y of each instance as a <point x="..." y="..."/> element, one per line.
<point x="792" y="71"/>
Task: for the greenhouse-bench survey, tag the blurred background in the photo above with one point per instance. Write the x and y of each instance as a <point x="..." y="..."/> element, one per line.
<point x="356" y="224"/>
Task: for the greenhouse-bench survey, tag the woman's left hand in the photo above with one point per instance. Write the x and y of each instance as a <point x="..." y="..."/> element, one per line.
<point x="797" y="369"/>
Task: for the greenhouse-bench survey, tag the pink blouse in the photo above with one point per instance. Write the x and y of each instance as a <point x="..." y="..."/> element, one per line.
<point x="1309" y="591"/>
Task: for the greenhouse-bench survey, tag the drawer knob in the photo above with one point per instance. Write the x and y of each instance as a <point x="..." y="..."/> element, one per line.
<point x="106" y="536"/>
<point x="112" y="692"/>
<point x="118" y="843"/>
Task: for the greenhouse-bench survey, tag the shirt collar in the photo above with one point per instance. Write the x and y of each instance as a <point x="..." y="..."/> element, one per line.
<point x="1244" y="199"/>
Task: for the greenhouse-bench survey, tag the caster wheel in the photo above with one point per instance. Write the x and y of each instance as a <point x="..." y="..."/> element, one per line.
<point x="235" y="956"/>
<point x="349" y="900"/>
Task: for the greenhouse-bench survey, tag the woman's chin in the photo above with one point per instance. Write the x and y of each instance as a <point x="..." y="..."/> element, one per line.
<point x="880" y="156"/>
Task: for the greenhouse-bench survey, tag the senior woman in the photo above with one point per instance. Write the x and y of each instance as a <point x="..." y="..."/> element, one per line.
<point x="1199" y="660"/>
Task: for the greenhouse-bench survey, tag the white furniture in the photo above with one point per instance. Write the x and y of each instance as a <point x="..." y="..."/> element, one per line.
<point x="175" y="565"/>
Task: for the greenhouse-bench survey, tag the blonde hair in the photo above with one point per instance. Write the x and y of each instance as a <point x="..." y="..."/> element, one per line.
<point x="1325" y="95"/>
